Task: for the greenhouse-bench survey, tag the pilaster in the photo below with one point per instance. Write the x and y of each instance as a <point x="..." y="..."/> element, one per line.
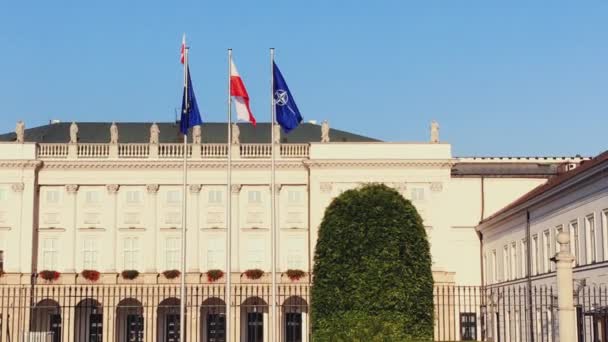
<point x="235" y="192"/>
<point x="72" y="191"/>
<point x="193" y="228"/>
<point x="113" y="250"/>
<point x="149" y="253"/>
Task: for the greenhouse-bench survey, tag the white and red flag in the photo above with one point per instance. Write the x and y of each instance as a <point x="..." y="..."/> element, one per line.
<point x="183" y="50"/>
<point x="240" y="96"/>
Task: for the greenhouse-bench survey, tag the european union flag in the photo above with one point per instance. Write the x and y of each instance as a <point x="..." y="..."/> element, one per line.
<point x="287" y="113"/>
<point x="190" y="114"/>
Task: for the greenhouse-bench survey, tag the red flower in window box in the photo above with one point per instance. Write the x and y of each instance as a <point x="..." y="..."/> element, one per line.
<point x="254" y="274"/>
<point x="49" y="275"/>
<point x="171" y="274"/>
<point x="295" y="274"/>
<point x="129" y="274"/>
<point x="214" y="275"/>
<point x="91" y="275"/>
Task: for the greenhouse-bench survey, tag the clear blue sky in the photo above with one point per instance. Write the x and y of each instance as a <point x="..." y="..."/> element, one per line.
<point x="501" y="77"/>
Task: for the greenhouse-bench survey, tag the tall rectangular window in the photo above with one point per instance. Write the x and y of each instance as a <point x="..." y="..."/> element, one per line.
<point x="591" y="243"/>
<point x="174" y="197"/>
<point x="605" y="233"/>
<point x="215" y="253"/>
<point x="254" y="197"/>
<point x="131" y="253"/>
<point x="172" y="249"/>
<point x="51" y="196"/>
<point x="494" y="275"/>
<point x="546" y="250"/>
<point x="49" y="254"/>
<point x="3" y="194"/>
<point x="294" y="197"/>
<point x="92" y="197"/>
<point x="506" y="264"/>
<point x="534" y="255"/>
<point x="417" y="194"/>
<point x="255" y="252"/>
<point x="513" y="260"/>
<point x="90" y="253"/>
<point x="215" y="197"/>
<point x="134" y="197"/>
<point x="295" y="253"/>
<point x="524" y="258"/>
<point x="574" y="241"/>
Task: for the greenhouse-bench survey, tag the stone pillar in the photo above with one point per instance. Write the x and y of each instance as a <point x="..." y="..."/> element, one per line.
<point x="565" y="297"/>
<point x="153" y="151"/>
<point x="112" y="265"/>
<point x="23" y="232"/>
<point x="72" y="190"/>
<point x="150" y="255"/>
<point x="113" y="151"/>
<point x="72" y="151"/>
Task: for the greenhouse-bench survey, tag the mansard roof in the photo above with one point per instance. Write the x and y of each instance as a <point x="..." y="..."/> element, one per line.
<point x="213" y="132"/>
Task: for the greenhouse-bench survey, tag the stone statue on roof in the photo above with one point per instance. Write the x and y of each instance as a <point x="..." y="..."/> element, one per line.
<point x="154" y="133"/>
<point x="20" y="131"/>
<point x="277" y="133"/>
<point x="236" y="133"/>
<point x="113" y="133"/>
<point x="434" y="132"/>
<point x="325" y="132"/>
<point x="197" y="134"/>
<point x="73" y="133"/>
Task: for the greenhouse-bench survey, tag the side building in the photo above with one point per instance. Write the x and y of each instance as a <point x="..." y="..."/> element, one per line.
<point x="75" y="199"/>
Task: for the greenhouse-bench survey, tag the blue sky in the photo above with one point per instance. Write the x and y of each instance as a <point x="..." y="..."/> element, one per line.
<point x="501" y="77"/>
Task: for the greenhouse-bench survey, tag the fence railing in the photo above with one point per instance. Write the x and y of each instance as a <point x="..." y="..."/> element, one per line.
<point x="141" y="312"/>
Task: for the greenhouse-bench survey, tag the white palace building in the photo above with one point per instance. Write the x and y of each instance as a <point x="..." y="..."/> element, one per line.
<point x="75" y="197"/>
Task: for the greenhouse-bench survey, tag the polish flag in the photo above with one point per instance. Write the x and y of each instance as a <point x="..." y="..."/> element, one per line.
<point x="240" y="96"/>
<point x="183" y="50"/>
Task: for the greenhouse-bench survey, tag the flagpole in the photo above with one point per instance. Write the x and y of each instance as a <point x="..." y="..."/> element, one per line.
<point x="182" y="302"/>
<point x="229" y="206"/>
<point x="273" y="324"/>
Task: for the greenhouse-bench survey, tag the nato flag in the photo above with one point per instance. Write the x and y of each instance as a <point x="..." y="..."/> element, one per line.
<point x="287" y="113"/>
<point x="190" y="114"/>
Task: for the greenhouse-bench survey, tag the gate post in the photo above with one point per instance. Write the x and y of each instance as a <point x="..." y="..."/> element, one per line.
<point x="565" y="297"/>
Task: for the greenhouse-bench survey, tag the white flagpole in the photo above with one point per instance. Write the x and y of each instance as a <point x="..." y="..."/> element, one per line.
<point x="274" y="319"/>
<point x="229" y="206"/>
<point x="182" y="302"/>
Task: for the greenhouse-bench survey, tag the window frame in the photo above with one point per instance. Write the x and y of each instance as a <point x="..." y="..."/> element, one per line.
<point x="131" y="262"/>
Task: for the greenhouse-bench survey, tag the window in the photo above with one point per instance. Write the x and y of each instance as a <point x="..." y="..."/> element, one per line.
<point x="494" y="273"/>
<point x="534" y="255"/>
<point x="294" y="197"/>
<point x="574" y="241"/>
<point x="468" y="326"/>
<point x="174" y="197"/>
<point x="605" y="233"/>
<point x="513" y="260"/>
<point x="92" y="197"/>
<point x="295" y="253"/>
<point x="546" y="250"/>
<point x="255" y="252"/>
<point x="90" y="253"/>
<point x="49" y="254"/>
<point x="524" y="258"/>
<point x="215" y="197"/>
<point x="3" y="194"/>
<point x="506" y="268"/>
<point x="417" y="194"/>
<point x="52" y="196"/>
<point x="591" y="244"/>
<point x="215" y="253"/>
<point x="134" y="197"/>
<point x="172" y="249"/>
<point x="254" y="196"/>
<point x="131" y="253"/>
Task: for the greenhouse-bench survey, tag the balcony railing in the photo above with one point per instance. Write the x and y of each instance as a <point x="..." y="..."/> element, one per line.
<point x="170" y="151"/>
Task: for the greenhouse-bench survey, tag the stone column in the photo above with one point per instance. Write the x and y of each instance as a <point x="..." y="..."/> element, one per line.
<point x="20" y="265"/>
<point x="150" y="255"/>
<point x="113" y="260"/>
<point x="72" y="190"/>
<point x="565" y="297"/>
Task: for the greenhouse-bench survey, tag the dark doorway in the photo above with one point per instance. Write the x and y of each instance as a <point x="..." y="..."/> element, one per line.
<point x="255" y="327"/>
<point x="216" y="327"/>
<point x="293" y="326"/>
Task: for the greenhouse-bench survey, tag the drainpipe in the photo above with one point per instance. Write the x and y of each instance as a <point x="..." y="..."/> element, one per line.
<point x="529" y="273"/>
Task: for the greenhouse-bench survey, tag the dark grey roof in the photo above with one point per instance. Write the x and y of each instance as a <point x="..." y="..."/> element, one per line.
<point x="213" y="132"/>
<point x="506" y="169"/>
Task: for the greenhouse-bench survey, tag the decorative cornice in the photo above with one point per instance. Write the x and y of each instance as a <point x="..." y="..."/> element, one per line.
<point x="379" y="163"/>
<point x="165" y="164"/>
<point x="152" y="188"/>
<point x="71" y="188"/>
<point x="195" y="188"/>
<point x="112" y="188"/>
<point x="20" y="164"/>
<point x="18" y="187"/>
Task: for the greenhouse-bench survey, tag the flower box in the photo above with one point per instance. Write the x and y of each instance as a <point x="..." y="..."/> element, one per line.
<point x="90" y="275"/>
<point x="295" y="275"/>
<point x="214" y="275"/>
<point x="254" y="274"/>
<point x="49" y="275"/>
<point x="129" y="274"/>
<point x="171" y="274"/>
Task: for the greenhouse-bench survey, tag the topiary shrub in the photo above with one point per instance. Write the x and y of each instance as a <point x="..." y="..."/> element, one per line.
<point x="372" y="270"/>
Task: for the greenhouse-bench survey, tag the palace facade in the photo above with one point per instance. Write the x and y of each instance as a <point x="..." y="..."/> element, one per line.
<point x="74" y="197"/>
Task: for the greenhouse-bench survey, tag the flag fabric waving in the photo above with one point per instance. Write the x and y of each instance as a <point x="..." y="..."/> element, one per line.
<point x="286" y="110"/>
<point x="190" y="115"/>
<point x="240" y="95"/>
<point x="183" y="49"/>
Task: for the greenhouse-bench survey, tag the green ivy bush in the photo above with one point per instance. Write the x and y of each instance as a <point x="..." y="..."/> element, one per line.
<point x="372" y="270"/>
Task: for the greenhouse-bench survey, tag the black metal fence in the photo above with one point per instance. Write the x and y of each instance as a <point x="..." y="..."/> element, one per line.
<point x="132" y="313"/>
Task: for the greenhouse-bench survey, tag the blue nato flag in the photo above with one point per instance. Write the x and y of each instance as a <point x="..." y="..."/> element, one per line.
<point x="286" y="111"/>
<point x="190" y="115"/>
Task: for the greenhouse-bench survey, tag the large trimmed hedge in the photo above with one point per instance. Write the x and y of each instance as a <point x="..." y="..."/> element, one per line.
<point x="372" y="270"/>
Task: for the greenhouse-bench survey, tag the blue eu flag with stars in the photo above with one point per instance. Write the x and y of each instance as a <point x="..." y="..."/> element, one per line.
<point x="287" y="112"/>
<point x="190" y="114"/>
